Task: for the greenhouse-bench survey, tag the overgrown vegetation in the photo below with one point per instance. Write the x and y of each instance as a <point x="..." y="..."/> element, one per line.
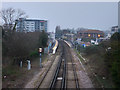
<point x="105" y="58"/>
<point x="21" y="46"/>
<point x="113" y="58"/>
<point x="43" y="39"/>
<point x="17" y="47"/>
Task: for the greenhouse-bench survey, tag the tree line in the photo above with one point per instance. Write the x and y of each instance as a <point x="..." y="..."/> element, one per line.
<point x="112" y="58"/>
<point x="22" y="46"/>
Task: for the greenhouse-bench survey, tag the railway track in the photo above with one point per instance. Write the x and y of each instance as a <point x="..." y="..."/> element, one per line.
<point x="72" y="78"/>
<point x="59" y="79"/>
<point x="48" y="69"/>
<point x="65" y="75"/>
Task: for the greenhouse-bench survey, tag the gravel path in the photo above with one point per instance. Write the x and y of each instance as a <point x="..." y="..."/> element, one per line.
<point x="84" y="79"/>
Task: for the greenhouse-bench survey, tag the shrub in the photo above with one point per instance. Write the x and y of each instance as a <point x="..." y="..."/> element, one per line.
<point x="113" y="58"/>
<point x="22" y="45"/>
<point x="34" y="53"/>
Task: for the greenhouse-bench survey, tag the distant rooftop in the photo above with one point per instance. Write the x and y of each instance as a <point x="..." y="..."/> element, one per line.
<point x="31" y="19"/>
<point x="91" y="31"/>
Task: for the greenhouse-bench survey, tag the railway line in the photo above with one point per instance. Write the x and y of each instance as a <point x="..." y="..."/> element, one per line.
<point x="72" y="78"/>
<point x="62" y="71"/>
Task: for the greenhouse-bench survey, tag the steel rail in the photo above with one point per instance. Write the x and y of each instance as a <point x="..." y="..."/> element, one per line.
<point x="46" y="73"/>
<point x="52" y="84"/>
<point x="75" y="75"/>
<point x="74" y="70"/>
<point x="63" y="83"/>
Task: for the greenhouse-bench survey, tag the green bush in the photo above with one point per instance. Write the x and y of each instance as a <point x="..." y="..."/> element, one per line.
<point x="113" y="58"/>
<point x="34" y="53"/>
<point x="92" y="50"/>
<point x="10" y="70"/>
<point x="81" y="48"/>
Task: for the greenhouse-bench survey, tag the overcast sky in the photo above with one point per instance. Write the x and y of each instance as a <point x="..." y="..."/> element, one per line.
<point x="92" y="15"/>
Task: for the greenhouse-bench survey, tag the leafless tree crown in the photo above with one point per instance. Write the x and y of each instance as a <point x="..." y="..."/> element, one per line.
<point x="9" y="16"/>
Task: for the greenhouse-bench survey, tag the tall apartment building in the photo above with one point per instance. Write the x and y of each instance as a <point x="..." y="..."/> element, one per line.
<point x="31" y="25"/>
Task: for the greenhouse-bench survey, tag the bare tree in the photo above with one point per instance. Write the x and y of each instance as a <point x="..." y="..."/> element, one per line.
<point x="10" y="15"/>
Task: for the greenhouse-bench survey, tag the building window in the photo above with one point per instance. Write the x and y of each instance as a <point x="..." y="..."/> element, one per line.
<point x="41" y="24"/>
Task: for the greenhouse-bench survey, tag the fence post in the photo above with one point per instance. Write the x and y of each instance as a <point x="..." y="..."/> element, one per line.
<point x="21" y="64"/>
<point x="29" y="65"/>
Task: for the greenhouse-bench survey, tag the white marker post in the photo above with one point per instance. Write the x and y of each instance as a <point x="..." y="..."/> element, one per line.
<point x="40" y="51"/>
<point x="29" y="65"/>
<point x="21" y="64"/>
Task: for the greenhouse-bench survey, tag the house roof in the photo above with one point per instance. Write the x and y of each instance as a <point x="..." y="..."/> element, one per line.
<point x="91" y="31"/>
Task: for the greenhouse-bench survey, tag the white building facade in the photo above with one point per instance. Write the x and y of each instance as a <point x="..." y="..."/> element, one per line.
<point x="30" y="25"/>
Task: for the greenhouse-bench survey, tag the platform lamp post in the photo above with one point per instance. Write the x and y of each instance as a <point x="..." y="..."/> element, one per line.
<point x="40" y="51"/>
